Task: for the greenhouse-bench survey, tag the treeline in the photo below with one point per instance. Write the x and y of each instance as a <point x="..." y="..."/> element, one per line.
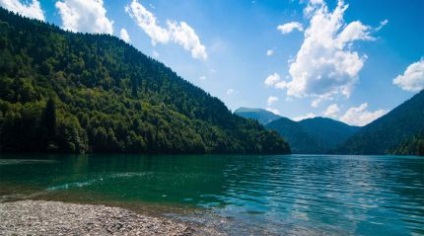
<point x="67" y="92"/>
<point x="411" y="146"/>
<point x="385" y="134"/>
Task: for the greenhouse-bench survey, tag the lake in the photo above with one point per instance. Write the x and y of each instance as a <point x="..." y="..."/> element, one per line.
<point x="238" y="194"/>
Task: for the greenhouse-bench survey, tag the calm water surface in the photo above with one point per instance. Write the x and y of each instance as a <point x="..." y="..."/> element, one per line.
<point x="240" y="195"/>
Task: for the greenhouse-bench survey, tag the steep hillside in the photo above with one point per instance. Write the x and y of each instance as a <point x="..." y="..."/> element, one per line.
<point x="299" y="140"/>
<point x="411" y="146"/>
<point x="262" y="116"/>
<point x="329" y="132"/>
<point x="67" y="92"/>
<point x="389" y="131"/>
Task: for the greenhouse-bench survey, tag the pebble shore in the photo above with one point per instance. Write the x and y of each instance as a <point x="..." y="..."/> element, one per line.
<point x="58" y="218"/>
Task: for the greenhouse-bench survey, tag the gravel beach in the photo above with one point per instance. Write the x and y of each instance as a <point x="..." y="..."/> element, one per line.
<point x="58" y="218"/>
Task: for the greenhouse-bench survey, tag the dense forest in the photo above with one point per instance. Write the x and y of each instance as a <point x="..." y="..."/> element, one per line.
<point x="387" y="133"/>
<point x="329" y="133"/>
<point x="313" y="136"/>
<point x="411" y="146"/>
<point x="299" y="140"/>
<point x="67" y="92"/>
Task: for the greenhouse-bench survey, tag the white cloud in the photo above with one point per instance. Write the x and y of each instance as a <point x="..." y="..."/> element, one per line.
<point x="382" y="24"/>
<point x="155" y="54"/>
<point x="88" y="16"/>
<point x="325" y="65"/>
<point x="147" y="22"/>
<point x="303" y="117"/>
<point x="273" y="110"/>
<point x="332" y="111"/>
<point x="271" y="100"/>
<point x="359" y="116"/>
<point x="177" y="32"/>
<point x="272" y="79"/>
<point x="269" y="52"/>
<point x="202" y="77"/>
<point x="184" y="35"/>
<point x="231" y="92"/>
<point x="30" y="10"/>
<point x="125" y="36"/>
<point x="413" y="77"/>
<point x="289" y="27"/>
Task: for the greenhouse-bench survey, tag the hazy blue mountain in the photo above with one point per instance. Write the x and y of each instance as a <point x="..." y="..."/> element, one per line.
<point x="389" y="131"/>
<point x="299" y="139"/>
<point x="261" y="115"/>
<point x="315" y="135"/>
<point x="329" y="133"/>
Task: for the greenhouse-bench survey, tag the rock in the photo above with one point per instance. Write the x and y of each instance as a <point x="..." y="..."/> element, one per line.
<point x="58" y="218"/>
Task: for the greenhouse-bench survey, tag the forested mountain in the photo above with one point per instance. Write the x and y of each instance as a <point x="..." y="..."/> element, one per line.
<point x="388" y="132"/>
<point x="310" y="136"/>
<point x="313" y="136"/>
<point x="61" y="91"/>
<point x="262" y="116"/>
<point x="411" y="146"/>
<point x="299" y="140"/>
<point x="329" y="132"/>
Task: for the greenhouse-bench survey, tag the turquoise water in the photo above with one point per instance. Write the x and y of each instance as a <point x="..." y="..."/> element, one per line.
<point x="274" y="195"/>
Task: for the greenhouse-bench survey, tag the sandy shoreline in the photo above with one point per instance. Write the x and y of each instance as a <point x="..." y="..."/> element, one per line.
<point x="57" y="218"/>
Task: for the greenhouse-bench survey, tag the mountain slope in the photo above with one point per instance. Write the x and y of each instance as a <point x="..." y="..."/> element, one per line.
<point x="299" y="140"/>
<point x="411" y="146"/>
<point x="67" y="92"/>
<point x="329" y="132"/>
<point x="309" y="136"/>
<point x="262" y="116"/>
<point x="387" y="132"/>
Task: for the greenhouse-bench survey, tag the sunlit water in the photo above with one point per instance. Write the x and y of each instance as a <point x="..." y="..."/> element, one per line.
<point x="239" y="195"/>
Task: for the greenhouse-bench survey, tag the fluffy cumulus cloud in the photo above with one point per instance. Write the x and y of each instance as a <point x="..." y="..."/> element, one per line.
<point x="269" y="52"/>
<point x="303" y="117"/>
<point x="272" y="79"/>
<point x="231" y="92"/>
<point x="332" y="111"/>
<point x="184" y="35"/>
<point x="28" y="9"/>
<point x="84" y="16"/>
<point x="360" y="116"/>
<point x="289" y="27"/>
<point x="271" y="100"/>
<point x="326" y="66"/>
<point x="124" y="35"/>
<point x="413" y="78"/>
<point x="177" y="32"/>
<point x="147" y="22"/>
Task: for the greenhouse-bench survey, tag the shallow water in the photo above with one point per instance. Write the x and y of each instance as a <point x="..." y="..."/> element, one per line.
<point x="275" y="195"/>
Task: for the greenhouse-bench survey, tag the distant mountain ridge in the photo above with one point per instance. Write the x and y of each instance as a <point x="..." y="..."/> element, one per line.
<point x="329" y="132"/>
<point x="310" y="136"/>
<point x="300" y="141"/>
<point x="398" y="132"/>
<point x="261" y="115"/>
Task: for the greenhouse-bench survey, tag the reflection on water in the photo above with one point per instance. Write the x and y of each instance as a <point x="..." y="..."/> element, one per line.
<point x="302" y="195"/>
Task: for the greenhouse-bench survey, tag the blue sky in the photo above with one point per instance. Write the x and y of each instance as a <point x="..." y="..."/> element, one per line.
<point x="348" y="60"/>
